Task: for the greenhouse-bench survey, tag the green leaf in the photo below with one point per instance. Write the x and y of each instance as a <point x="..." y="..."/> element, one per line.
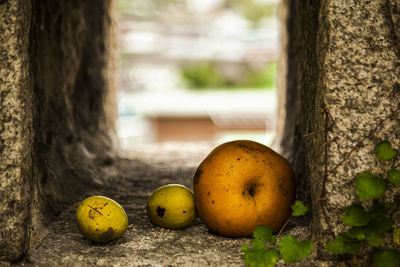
<point x="390" y="206"/>
<point x="386" y="258"/>
<point x="385" y="151"/>
<point x="382" y="209"/>
<point x="356" y="216"/>
<point x="368" y="186"/>
<point x="259" y="255"/>
<point x="373" y="232"/>
<point x="374" y="239"/>
<point x="393" y="176"/>
<point x="343" y="244"/>
<point x="264" y="233"/>
<point x="376" y="229"/>
<point x="396" y="236"/>
<point x="380" y="224"/>
<point x="257" y="244"/>
<point x="357" y="233"/>
<point x="292" y="250"/>
<point x="299" y="209"/>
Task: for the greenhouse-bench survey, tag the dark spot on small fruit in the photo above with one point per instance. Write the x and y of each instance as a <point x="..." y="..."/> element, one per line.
<point x="184" y="211"/>
<point x="97" y="230"/>
<point x="208" y="193"/>
<point x="238" y="159"/>
<point x="94" y="209"/>
<point x="212" y="201"/>
<point x="91" y="214"/>
<point x="107" y="235"/>
<point x="105" y="204"/>
<point x="160" y="211"/>
<point x="197" y="175"/>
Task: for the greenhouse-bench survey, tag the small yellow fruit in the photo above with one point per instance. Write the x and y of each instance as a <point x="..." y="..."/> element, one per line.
<point x="101" y="219"/>
<point x="172" y="206"/>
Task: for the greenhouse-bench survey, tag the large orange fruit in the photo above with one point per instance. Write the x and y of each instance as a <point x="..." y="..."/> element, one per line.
<point x="242" y="184"/>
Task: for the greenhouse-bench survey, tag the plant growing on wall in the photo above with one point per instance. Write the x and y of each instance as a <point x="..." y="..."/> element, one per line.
<point x="371" y="219"/>
<point x="369" y="222"/>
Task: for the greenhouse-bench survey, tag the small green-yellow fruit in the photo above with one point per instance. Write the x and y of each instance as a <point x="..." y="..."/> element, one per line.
<point x="172" y="206"/>
<point x="101" y="219"/>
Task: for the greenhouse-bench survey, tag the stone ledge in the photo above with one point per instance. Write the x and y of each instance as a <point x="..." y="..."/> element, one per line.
<point x="130" y="181"/>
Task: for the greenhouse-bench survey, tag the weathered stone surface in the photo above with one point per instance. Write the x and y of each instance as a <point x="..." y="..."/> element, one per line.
<point x="342" y="85"/>
<point x="300" y="101"/>
<point x="16" y="129"/>
<point x="362" y="78"/>
<point x="73" y="59"/>
<point x="72" y="51"/>
<point x="57" y="111"/>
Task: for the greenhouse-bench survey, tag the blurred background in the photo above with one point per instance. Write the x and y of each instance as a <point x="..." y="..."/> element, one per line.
<point x="197" y="71"/>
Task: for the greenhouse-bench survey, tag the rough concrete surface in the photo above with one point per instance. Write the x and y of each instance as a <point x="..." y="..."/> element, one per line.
<point x="130" y="181"/>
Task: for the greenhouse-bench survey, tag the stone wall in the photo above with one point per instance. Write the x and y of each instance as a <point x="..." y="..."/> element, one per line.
<point x="342" y="85"/>
<point x="16" y="128"/>
<point x="57" y="109"/>
<point x="300" y="97"/>
<point x="361" y="80"/>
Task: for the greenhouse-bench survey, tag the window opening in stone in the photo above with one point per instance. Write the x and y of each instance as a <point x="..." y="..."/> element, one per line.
<point x="197" y="71"/>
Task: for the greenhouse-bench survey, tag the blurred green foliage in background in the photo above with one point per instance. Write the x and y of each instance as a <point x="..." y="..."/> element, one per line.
<point x="202" y="75"/>
<point x="254" y="11"/>
<point x="205" y="75"/>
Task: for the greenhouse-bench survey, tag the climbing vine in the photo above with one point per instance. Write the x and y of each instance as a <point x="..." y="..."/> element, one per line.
<point x="367" y="224"/>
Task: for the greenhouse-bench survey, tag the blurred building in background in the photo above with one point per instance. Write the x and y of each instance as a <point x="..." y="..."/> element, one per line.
<point x="197" y="70"/>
